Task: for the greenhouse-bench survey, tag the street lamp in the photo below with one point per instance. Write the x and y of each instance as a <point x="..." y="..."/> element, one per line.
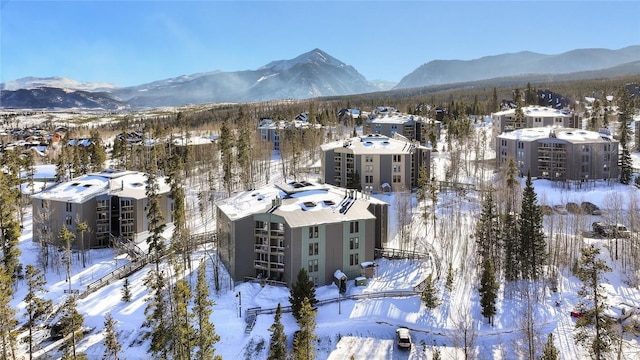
<point x="239" y="296"/>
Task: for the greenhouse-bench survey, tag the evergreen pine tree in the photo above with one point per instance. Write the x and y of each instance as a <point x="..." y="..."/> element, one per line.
<point x="449" y="283"/>
<point x="206" y="337"/>
<point x="157" y="316"/>
<point x="154" y="214"/>
<point x="549" y="352"/>
<point x="278" y="343"/>
<point x="519" y="113"/>
<point x="8" y="321"/>
<point x="304" y="342"/>
<point x="225" y="144"/>
<point x="126" y="291"/>
<point x="36" y="307"/>
<point x="625" y="111"/>
<point x="182" y="330"/>
<point x="9" y="225"/>
<point x="488" y="290"/>
<point x="98" y="154"/>
<point x="301" y="289"/>
<point x="594" y="329"/>
<point x="429" y="295"/>
<point x="111" y="345"/>
<point x="71" y="325"/>
<point x="531" y="235"/>
<point x="488" y="229"/>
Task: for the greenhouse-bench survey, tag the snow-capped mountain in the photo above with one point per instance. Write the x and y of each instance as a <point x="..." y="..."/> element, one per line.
<point x="313" y="56"/>
<point x="438" y="72"/>
<point x="54" y="82"/>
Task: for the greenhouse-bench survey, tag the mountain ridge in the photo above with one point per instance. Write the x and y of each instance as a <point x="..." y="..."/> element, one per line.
<point x="317" y="74"/>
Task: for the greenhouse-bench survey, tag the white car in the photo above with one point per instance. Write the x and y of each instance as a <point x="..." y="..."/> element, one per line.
<point x="403" y="338"/>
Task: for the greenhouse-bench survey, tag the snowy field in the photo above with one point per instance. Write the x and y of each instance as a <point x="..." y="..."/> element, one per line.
<point x="364" y="328"/>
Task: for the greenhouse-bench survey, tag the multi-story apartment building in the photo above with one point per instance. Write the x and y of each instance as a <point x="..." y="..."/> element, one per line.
<point x="273" y="232"/>
<point x="535" y="116"/>
<point x="112" y="203"/>
<point x="382" y="163"/>
<point x="273" y="131"/>
<point x="412" y="127"/>
<point x="559" y="154"/>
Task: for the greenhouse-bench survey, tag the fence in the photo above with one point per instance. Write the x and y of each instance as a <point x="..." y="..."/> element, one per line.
<point x="251" y="314"/>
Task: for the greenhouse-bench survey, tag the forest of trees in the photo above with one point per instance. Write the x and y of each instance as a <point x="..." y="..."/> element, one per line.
<point x="511" y="252"/>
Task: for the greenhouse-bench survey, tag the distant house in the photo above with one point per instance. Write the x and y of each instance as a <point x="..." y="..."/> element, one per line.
<point x="559" y="154"/>
<point x="552" y="99"/>
<point x="381" y="162"/>
<point x="346" y="115"/>
<point x="112" y="202"/>
<point x="412" y="127"/>
<point x="273" y="232"/>
<point x="535" y="116"/>
<point x="274" y="131"/>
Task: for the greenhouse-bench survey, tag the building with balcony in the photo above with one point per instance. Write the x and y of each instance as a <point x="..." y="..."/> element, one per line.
<point x="112" y="203"/>
<point x="274" y="131"/>
<point x="273" y="232"/>
<point x="382" y="163"/>
<point x="412" y="127"/>
<point x="535" y="116"/>
<point x="559" y="154"/>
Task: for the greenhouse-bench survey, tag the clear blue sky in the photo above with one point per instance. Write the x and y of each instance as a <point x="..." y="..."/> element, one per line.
<point x="134" y="42"/>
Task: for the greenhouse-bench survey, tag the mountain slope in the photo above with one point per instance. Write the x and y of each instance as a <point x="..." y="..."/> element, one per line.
<point x="451" y="71"/>
<point x="53" y="82"/>
<point x="49" y="98"/>
<point x="312" y="74"/>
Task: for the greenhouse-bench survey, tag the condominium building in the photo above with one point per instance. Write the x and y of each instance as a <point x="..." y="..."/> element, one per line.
<point x="273" y="232"/>
<point x="559" y="154"/>
<point x="412" y="127"/>
<point x="381" y="163"/>
<point x="112" y="203"/>
<point x="535" y="116"/>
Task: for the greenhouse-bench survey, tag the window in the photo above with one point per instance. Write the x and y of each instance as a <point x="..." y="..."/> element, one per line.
<point x="397" y="179"/>
<point x="313" y="266"/>
<point x="68" y="220"/>
<point x="354" y="243"/>
<point x="520" y="145"/>
<point x="368" y="158"/>
<point x="397" y="158"/>
<point x="368" y="179"/>
<point x="354" y="227"/>
<point x="354" y="259"/>
<point x="368" y="168"/>
<point x="396" y="168"/>
<point x="313" y="248"/>
<point x="313" y="232"/>
<point x="69" y="207"/>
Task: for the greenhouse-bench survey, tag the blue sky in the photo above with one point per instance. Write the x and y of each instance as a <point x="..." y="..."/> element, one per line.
<point x="134" y="42"/>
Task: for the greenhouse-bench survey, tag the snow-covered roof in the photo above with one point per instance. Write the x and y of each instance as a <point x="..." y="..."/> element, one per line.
<point x="374" y="144"/>
<point x="300" y="203"/>
<point x="394" y="118"/>
<point x="569" y="135"/>
<point x="129" y="184"/>
<point x="536" y="111"/>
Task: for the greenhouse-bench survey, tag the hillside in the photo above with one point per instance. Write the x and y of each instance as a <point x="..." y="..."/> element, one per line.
<point x="363" y="323"/>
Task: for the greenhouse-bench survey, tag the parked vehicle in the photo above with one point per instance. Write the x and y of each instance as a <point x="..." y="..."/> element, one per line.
<point x="576" y="314"/>
<point x="611" y="230"/>
<point x="403" y="338"/>
<point x="560" y="209"/>
<point x="574" y="208"/>
<point x="546" y="210"/>
<point x="590" y="208"/>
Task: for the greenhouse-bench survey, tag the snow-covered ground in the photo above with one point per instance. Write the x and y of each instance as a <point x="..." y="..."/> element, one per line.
<point x="365" y="328"/>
